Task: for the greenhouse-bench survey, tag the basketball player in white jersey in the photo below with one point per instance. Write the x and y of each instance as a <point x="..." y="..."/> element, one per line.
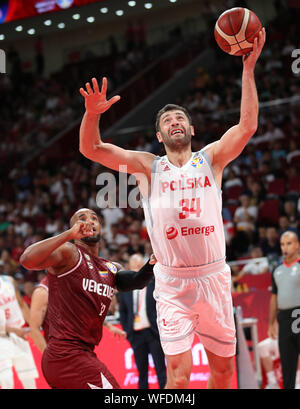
<point x="14" y="348"/>
<point x="183" y="215"/>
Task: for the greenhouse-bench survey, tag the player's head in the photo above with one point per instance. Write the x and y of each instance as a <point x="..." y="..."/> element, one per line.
<point x="174" y="126"/>
<point x="90" y="217"/>
<point x="289" y="243"/>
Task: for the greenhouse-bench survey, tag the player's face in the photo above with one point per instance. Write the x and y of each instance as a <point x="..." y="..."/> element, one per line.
<point x="175" y="130"/>
<point x="289" y="247"/>
<point x="90" y="217"/>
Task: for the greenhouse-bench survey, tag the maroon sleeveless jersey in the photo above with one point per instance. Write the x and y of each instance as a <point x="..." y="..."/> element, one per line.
<point x="44" y="283"/>
<point x="79" y="300"/>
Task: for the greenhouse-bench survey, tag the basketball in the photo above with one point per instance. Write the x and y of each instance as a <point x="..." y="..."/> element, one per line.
<point x="236" y="29"/>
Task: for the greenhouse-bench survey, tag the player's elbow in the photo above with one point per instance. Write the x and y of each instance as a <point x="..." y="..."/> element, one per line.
<point x="248" y="129"/>
<point x="89" y="153"/>
<point x="26" y="261"/>
<point x="84" y="151"/>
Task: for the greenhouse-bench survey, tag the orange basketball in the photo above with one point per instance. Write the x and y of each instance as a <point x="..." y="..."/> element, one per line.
<point x="236" y="29"/>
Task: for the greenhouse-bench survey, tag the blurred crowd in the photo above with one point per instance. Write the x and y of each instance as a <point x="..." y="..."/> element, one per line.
<point x="38" y="203"/>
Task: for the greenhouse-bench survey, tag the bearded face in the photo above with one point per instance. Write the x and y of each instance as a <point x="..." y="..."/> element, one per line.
<point x="92" y="239"/>
<point x="175" y="131"/>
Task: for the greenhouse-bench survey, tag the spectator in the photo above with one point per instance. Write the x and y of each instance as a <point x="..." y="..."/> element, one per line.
<point x="135" y="245"/>
<point x="284" y="225"/>
<point x="232" y="179"/>
<point x="294" y="151"/>
<point x="115" y="238"/>
<point x="51" y="227"/>
<point x="245" y="215"/>
<point x="290" y="211"/>
<point x="113" y="215"/>
<point x="4" y="223"/>
<point x="257" y="194"/>
<point x="20" y="226"/>
<point x="271" y="244"/>
<point x="258" y="266"/>
<point x="18" y="248"/>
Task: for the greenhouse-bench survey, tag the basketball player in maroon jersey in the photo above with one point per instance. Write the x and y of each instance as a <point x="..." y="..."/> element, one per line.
<point x="81" y="286"/>
<point x="39" y="319"/>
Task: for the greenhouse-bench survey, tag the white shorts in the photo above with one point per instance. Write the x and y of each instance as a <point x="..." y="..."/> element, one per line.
<point x="193" y="301"/>
<point x="15" y="351"/>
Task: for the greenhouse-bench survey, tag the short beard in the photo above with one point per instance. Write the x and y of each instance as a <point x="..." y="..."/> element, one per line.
<point x="177" y="145"/>
<point x="93" y="239"/>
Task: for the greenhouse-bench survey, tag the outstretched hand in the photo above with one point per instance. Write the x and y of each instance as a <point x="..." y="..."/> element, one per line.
<point x="95" y="100"/>
<point x="249" y="60"/>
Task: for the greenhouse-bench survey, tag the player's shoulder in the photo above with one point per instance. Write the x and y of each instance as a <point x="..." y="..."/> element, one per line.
<point x="279" y="269"/>
<point x="208" y="150"/>
<point x="145" y="158"/>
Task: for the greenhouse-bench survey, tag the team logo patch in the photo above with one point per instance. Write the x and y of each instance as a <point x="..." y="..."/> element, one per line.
<point x="171" y="233"/>
<point x="103" y="273"/>
<point x="197" y="162"/>
<point x="112" y="267"/>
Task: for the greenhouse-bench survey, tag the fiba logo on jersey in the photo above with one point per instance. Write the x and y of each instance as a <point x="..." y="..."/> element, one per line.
<point x="171" y="233"/>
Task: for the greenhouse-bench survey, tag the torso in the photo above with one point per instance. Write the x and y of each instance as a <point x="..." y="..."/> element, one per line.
<point x="287" y="279"/>
<point x="183" y="213"/>
<point x="79" y="300"/>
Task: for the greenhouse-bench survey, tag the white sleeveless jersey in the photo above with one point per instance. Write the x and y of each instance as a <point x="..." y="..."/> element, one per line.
<point x="183" y="213"/>
<point x="9" y="303"/>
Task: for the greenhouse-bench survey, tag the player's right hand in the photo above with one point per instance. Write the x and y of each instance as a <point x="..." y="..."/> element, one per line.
<point x="95" y="101"/>
<point x="81" y="229"/>
<point x="273" y="331"/>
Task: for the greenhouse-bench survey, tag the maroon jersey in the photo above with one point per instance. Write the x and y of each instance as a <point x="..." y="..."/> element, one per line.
<point x="44" y="283"/>
<point x="79" y="300"/>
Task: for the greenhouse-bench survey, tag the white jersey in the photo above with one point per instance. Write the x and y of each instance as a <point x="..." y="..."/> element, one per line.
<point x="183" y="213"/>
<point x="9" y="303"/>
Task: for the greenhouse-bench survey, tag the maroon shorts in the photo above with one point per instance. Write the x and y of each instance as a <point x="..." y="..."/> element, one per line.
<point x="76" y="369"/>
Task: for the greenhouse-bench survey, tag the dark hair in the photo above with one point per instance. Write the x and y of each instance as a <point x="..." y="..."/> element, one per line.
<point x="171" y="107"/>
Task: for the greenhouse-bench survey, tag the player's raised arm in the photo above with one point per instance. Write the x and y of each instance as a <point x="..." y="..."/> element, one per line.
<point x="236" y="138"/>
<point x="56" y="252"/>
<point x="91" y="145"/>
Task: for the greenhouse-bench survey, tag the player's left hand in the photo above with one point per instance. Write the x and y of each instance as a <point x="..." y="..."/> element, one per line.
<point x="249" y="60"/>
<point x="152" y="259"/>
<point x="119" y="333"/>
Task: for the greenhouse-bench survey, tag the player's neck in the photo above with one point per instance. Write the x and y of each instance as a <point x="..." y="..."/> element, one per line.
<point x="291" y="260"/>
<point x="92" y="248"/>
<point x="179" y="158"/>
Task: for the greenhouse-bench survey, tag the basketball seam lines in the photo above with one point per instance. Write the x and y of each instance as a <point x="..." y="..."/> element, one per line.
<point x="232" y="32"/>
